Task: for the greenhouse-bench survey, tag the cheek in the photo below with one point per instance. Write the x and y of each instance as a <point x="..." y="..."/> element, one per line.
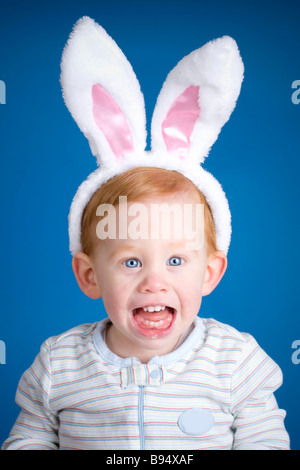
<point x="115" y="294"/>
<point x="191" y="291"/>
<point x="192" y="296"/>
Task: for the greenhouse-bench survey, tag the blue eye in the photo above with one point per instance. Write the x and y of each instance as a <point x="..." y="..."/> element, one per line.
<point x="132" y="263"/>
<point x="175" y="261"/>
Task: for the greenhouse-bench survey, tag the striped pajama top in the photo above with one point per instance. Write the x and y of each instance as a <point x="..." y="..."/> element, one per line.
<point x="215" y="391"/>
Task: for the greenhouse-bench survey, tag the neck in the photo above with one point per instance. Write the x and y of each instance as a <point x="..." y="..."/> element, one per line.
<point x="126" y="349"/>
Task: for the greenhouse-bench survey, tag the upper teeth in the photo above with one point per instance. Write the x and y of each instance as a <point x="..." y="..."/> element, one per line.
<point x="155" y="308"/>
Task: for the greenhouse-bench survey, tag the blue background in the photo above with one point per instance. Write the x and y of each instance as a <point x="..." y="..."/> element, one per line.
<point x="44" y="157"/>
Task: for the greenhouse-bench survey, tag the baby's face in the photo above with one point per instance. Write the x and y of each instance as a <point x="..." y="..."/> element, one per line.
<point x="151" y="287"/>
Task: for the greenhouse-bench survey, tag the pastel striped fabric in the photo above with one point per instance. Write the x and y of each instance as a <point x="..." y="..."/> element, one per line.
<point x="215" y="391"/>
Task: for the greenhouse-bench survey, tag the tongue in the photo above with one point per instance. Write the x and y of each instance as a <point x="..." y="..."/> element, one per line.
<point x="153" y="320"/>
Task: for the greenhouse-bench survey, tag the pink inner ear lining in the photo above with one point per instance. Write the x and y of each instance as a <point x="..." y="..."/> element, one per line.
<point x="111" y="122"/>
<point x="180" y="120"/>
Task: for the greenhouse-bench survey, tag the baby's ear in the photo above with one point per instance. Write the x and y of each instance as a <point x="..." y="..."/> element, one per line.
<point x="216" y="267"/>
<point x="85" y="275"/>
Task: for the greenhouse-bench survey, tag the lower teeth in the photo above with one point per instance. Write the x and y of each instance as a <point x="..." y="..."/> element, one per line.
<point x="156" y="324"/>
<point x="150" y="324"/>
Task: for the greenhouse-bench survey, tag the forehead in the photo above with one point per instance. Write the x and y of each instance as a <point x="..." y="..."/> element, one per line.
<point x="175" y="218"/>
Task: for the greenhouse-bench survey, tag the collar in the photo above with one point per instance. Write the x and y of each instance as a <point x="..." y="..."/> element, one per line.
<point x="189" y="343"/>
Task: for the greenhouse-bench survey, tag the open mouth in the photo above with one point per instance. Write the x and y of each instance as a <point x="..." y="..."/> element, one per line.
<point x="154" y="321"/>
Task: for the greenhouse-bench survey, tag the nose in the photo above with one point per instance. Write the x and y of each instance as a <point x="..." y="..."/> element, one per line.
<point x="153" y="282"/>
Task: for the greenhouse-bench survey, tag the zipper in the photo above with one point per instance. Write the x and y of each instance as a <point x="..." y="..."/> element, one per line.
<point x="141" y="416"/>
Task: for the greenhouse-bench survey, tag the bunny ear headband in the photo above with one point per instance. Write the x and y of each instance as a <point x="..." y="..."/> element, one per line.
<point x="103" y="95"/>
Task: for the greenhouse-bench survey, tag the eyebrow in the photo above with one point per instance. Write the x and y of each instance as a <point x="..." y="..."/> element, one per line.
<point x="175" y="245"/>
<point x="182" y="246"/>
<point x="120" y="249"/>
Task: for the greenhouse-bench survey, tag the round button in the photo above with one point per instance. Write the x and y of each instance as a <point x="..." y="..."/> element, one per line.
<point x="196" y="421"/>
<point x="155" y="374"/>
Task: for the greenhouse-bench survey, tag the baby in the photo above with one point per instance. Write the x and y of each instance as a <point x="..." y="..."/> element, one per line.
<point x="150" y="238"/>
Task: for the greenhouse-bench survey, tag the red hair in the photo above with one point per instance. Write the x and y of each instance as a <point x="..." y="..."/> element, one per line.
<point x="139" y="184"/>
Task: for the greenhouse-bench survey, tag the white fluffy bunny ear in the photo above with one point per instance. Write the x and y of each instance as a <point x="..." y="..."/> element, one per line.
<point x="94" y="75"/>
<point x="197" y="99"/>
